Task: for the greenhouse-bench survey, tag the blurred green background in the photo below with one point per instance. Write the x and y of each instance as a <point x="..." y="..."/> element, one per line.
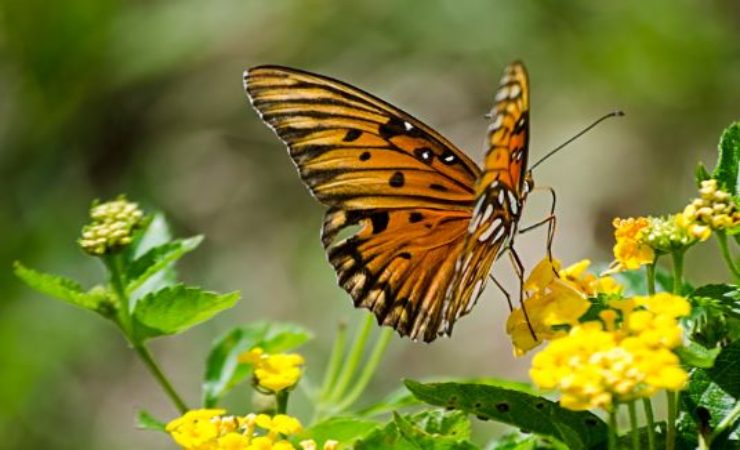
<point x="100" y="97"/>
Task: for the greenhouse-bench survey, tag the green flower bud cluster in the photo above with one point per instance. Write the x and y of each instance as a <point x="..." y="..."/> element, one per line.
<point x="714" y="208"/>
<point x="670" y="233"/>
<point x="112" y="226"/>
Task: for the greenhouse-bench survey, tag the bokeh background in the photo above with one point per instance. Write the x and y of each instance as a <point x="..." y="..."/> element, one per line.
<point x="101" y="97"/>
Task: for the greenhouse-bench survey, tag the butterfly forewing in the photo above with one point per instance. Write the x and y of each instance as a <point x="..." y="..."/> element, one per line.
<point x="500" y="193"/>
<point x="410" y="191"/>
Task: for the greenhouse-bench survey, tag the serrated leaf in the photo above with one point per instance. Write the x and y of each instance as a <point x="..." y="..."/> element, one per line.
<point x="176" y="308"/>
<point x="712" y="394"/>
<point x="696" y="355"/>
<point x="146" y="421"/>
<point x="223" y="371"/>
<point x="59" y="287"/>
<point x="426" y="439"/>
<point x="578" y="430"/>
<point x="345" y="430"/>
<point x="430" y="430"/>
<point x="157" y="259"/>
<point x="701" y="174"/>
<point x="726" y="171"/>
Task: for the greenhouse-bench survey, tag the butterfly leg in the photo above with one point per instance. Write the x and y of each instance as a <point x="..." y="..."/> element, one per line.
<point x="505" y="292"/>
<point x="550" y="220"/>
<point x="516" y="262"/>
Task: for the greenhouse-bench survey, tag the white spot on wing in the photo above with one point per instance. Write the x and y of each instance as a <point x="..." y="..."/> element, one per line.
<point x="408" y="126"/>
<point x="502" y="94"/>
<point x="496" y="124"/>
<point x="487" y="213"/>
<point x="495" y="224"/>
<point x="514" y="91"/>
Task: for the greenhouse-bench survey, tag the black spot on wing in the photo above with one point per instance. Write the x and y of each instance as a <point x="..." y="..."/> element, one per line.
<point x="425" y="154"/>
<point x="364" y="156"/>
<point x="438" y="187"/>
<point x="352" y="135"/>
<point x="416" y="216"/>
<point x="379" y="221"/>
<point x="448" y="158"/>
<point x="404" y="255"/>
<point x="397" y="180"/>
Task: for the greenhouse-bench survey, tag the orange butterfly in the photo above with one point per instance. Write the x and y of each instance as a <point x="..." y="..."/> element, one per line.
<point x="431" y="222"/>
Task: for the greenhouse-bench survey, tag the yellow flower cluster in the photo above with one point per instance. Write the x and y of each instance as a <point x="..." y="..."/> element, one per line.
<point x="112" y="227"/>
<point x="552" y="302"/>
<point x="211" y="429"/>
<point x="625" y="356"/>
<point x="714" y="209"/>
<point x="630" y="252"/>
<point x="274" y="372"/>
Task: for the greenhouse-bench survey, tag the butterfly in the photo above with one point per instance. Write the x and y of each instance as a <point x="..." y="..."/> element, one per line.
<point x="425" y="222"/>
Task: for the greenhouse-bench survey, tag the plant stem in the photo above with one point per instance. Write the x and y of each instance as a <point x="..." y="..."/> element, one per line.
<point x="650" y="419"/>
<point x="281" y="402"/>
<point x="613" y="428"/>
<point x="353" y="360"/>
<point x="634" y="432"/>
<point x="670" y="435"/>
<point x="125" y="322"/>
<point x="726" y="255"/>
<point x="369" y="370"/>
<point x="146" y="356"/>
<point x="335" y="360"/>
<point x="651" y="277"/>
<point x="678" y="271"/>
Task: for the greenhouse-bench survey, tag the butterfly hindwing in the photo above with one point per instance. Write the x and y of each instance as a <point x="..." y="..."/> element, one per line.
<point x="408" y="189"/>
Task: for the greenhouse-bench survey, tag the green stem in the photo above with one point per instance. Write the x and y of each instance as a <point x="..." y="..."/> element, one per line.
<point x="650" y="419"/>
<point x="651" y="277"/>
<point x="634" y="432"/>
<point x="728" y="421"/>
<point x="369" y="370"/>
<point x="281" y="402"/>
<point x="612" y="432"/>
<point x="146" y="356"/>
<point x="726" y="255"/>
<point x="677" y="271"/>
<point x="670" y="435"/>
<point x="353" y="360"/>
<point x="335" y="360"/>
<point x="125" y="322"/>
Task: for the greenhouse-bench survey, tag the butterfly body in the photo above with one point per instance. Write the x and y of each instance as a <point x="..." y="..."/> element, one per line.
<point x="430" y="221"/>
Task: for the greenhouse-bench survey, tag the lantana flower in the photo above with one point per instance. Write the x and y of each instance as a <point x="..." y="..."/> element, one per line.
<point x="630" y="251"/>
<point x="274" y="372"/>
<point x="112" y="227"/>
<point x="554" y="302"/>
<point x="602" y="362"/>
<point x="713" y="210"/>
<point x="211" y="429"/>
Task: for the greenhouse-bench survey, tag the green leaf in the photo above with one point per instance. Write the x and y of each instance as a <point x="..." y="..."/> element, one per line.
<point x="427" y="430"/>
<point x="61" y="288"/>
<point x="156" y="259"/>
<point x="223" y="370"/>
<point x="726" y="171"/>
<point x="701" y="174"/>
<point x="715" y="315"/>
<point x="146" y="421"/>
<point x="712" y="394"/>
<point x="435" y="439"/>
<point x="696" y="355"/>
<point x="345" y="430"/>
<point x="517" y="441"/>
<point x="176" y="308"/>
<point x="578" y="430"/>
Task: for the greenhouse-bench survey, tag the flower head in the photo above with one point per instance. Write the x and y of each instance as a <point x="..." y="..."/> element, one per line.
<point x="715" y="209"/>
<point x="672" y="233"/>
<point x="630" y="252"/>
<point x="601" y="362"/>
<point x="553" y="302"/>
<point x="210" y="429"/>
<point x="274" y="372"/>
<point x="112" y="226"/>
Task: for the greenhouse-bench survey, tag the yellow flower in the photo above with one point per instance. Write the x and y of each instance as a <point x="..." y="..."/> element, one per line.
<point x="551" y="302"/>
<point x="310" y="444"/>
<point x="112" y="227"/>
<point x="588" y="283"/>
<point x="596" y="365"/>
<point x="630" y="252"/>
<point x="713" y="210"/>
<point x="210" y="429"/>
<point x="274" y="372"/>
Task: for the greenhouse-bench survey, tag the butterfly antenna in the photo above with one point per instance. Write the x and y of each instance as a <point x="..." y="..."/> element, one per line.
<point x="581" y="133"/>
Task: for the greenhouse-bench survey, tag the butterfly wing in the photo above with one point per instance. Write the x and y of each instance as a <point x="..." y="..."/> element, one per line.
<point x="499" y="191"/>
<point x="408" y="190"/>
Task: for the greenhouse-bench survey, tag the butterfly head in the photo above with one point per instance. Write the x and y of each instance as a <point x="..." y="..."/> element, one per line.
<point x="528" y="185"/>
